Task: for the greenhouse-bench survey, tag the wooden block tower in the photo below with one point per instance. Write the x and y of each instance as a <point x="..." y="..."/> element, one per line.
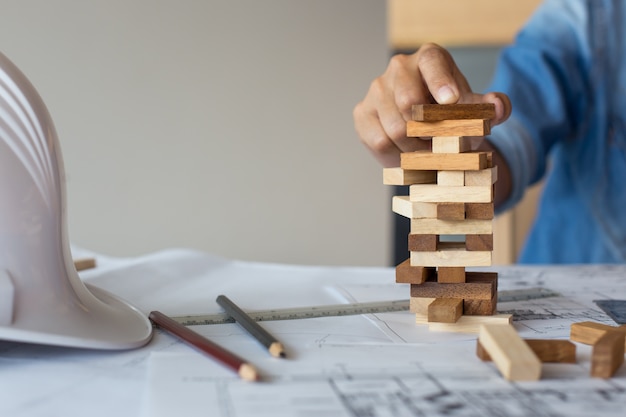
<point x="450" y="196"/>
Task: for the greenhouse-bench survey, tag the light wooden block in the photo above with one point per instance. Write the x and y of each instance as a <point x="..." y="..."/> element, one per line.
<point x="434" y="112"/>
<point x="431" y="193"/>
<point x="547" y="350"/>
<point x="419" y="305"/>
<point x="472" y="307"/>
<point x="451" y="227"/>
<point x="426" y="160"/>
<point x="482" y="287"/>
<point x="451" y="144"/>
<point x="403" y="206"/>
<point x="479" y="242"/>
<point x="407" y="274"/>
<point x="452" y="257"/>
<point x="451" y="178"/>
<point x="451" y="274"/>
<point x="423" y="243"/>
<point x="484" y="177"/>
<point x="399" y="176"/>
<point x="608" y="354"/>
<point x="589" y="332"/>
<point x="514" y="359"/>
<point x="451" y="211"/>
<point x="465" y="324"/>
<point x="85" y="263"/>
<point x="464" y="127"/>
<point x="479" y="211"/>
<point x="445" y="310"/>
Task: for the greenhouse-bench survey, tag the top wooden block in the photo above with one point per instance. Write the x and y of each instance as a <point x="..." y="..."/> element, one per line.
<point x="434" y="112"/>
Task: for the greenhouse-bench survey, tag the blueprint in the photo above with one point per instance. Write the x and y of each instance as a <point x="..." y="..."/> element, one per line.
<point x="371" y="365"/>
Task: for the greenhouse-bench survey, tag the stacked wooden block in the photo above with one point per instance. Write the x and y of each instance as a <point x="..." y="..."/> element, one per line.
<point x="451" y="196"/>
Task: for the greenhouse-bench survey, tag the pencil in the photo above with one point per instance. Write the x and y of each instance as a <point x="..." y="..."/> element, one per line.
<point x="244" y="369"/>
<point x="259" y="333"/>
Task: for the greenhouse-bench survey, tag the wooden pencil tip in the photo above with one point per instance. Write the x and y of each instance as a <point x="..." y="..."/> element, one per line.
<point x="276" y="350"/>
<point x="248" y="372"/>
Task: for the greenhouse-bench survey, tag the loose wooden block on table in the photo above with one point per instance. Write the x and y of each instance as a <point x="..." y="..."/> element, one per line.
<point x="445" y="310"/>
<point x="477" y="286"/>
<point x="485" y="177"/>
<point x="452" y="257"/>
<point x="451" y="178"/>
<point x="465" y="324"/>
<point x="402" y="205"/>
<point x="514" y="359"/>
<point x="451" y="227"/>
<point x="547" y="350"/>
<point x="435" y="193"/>
<point x="450" y="274"/>
<point x="399" y="176"/>
<point x="428" y="161"/>
<point x="421" y="243"/>
<point x="479" y="242"/>
<point x="607" y="354"/>
<point x="464" y="127"/>
<point x="407" y="274"/>
<point x="589" y="332"/>
<point x="433" y="112"/>
<point x="451" y="211"/>
<point x="451" y="144"/>
<point x="479" y="211"/>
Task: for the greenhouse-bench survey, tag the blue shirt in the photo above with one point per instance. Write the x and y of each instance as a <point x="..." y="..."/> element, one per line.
<point x="566" y="77"/>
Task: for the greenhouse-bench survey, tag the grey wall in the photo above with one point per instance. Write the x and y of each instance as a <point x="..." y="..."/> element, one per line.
<point x="222" y="126"/>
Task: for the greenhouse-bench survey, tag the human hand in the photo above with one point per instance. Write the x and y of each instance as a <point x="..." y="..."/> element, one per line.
<point x="429" y="75"/>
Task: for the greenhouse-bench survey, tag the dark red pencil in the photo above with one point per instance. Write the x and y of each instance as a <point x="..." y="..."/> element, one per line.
<point x="244" y="369"/>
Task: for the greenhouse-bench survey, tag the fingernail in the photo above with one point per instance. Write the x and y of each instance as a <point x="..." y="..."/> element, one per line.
<point x="445" y="95"/>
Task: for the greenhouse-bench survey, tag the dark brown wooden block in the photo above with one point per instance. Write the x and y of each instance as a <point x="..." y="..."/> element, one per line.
<point x="479" y="242"/>
<point x="481" y="288"/>
<point x="465" y="127"/>
<point x="428" y="161"/>
<point x="432" y="112"/>
<point x="423" y="243"/>
<point x="473" y="307"/>
<point x="451" y="274"/>
<point x="479" y="211"/>
<point x="607" y="354"/>
<point x="407" y="274"/>
<point x="547" y="350"/>
<point x="445" y="310"/>
<point x="451" y="211"/>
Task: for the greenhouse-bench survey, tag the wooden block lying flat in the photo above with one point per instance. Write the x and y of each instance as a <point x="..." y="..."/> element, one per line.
<point x="421" y="243"/>
<point x="479" y="211"/>
<point x="607" y="354"/>
<point x="86" y="263"/>
<point x="419" y="305"/>
<point x="451" y="211"/>
<point x="451" y="227"/>
<point x="514" y="359"/>
<point x="399" y="176"/>
<point x="465" y="127"/>
<point x="450" y="274"/>
<point x="589" y="332"/>
<point x="547" y="350"/>
<point x="451" y="178"/>
<point x="445" y="310"/>
<point x="452" y="257"/>
<point x="451" y="144"/>
<point x="434" y="193"/>
<point x="407" y="274"/>
<point x="465" y="324"/>
<point x="473" y="307"/>
<point x="479" y="242"/>
<point x="425" y="160"/>
<point x="481" y="288"/>
<point x="432" y="112"/>
<point x="402" y="205"/>
<point x="485" y="177"/>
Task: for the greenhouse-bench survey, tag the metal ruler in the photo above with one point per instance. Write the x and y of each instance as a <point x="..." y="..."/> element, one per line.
<point x="345" y="309"/>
